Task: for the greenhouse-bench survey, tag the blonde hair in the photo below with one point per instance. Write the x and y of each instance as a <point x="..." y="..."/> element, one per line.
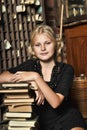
<point x="43" y="29"/>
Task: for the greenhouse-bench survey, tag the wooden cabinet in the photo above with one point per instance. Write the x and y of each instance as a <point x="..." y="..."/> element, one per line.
<point x="74" y="10"/>
<point x="76" y="54"/>
<point x="76" y="47"/>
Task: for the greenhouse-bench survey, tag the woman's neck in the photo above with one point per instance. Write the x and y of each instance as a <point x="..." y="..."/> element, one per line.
<point x="47" y="68"/>
<point x="47" y="64"/>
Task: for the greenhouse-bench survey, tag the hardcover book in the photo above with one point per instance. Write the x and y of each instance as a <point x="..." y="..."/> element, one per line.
<point x="22" y="84"/>
<point x="18" y="85"/>
<point x="17" y="95"/>
<point x="18" y="100"/>
<point x="18" y="114"/>
<point x="31" y="123"/>
<point x="21" y="108"/>
<point x="22" y="128"/>
<point x="13" y="90"/>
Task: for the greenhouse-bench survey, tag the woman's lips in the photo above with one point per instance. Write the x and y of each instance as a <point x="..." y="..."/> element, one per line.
<point x="44" y="53"/>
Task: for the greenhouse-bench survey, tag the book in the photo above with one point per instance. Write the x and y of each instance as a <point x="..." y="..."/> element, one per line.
<point x="18" y="85"/>
<point x="18" y="114"/>
<point x="21" y="108"/>
<point x="18" y="118"/>
<point x="18" y="100"/>
<point x="17" y="95"/>
<point x="31" y="122"/>
<point x="14" y="118"/>
<point x="21" y="128"/>
<point x="22" y="84"/>
<point x="13" y="104"/>
<point x="13" y="90"/>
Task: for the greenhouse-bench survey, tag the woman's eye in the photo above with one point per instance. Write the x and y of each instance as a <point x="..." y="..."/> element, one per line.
<point x="37" y="45"/>
<point x="48" y="43"/>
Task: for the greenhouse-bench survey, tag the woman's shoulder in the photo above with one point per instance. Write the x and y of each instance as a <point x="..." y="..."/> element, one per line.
<point x="31" y="61"/>
<point x="65" y="66"/>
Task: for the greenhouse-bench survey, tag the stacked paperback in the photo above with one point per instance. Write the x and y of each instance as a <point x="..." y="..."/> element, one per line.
<point x="19" y="100"/>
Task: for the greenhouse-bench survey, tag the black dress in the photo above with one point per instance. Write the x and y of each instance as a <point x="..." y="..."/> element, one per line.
<point x="64" y="117"/>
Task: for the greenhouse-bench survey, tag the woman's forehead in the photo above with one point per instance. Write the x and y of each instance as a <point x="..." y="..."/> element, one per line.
<point x="41" y="37"/>
<point x="45" y="35"/>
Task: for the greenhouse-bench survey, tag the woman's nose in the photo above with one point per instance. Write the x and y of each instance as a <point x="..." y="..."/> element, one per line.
<point x="43" y="47"/>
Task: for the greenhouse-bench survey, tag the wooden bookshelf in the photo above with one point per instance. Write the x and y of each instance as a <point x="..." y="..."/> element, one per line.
<point x="19" y="18"/>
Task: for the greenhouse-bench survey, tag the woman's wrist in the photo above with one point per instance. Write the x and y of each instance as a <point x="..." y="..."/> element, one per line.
<point x="36" y="76"/>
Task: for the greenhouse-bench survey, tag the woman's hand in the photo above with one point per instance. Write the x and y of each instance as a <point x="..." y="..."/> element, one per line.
<point x="39" y="95"/>
<point x="22" y="76"/>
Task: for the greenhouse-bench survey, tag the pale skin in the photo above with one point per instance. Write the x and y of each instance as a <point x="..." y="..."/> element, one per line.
<point x="44" y="49"/>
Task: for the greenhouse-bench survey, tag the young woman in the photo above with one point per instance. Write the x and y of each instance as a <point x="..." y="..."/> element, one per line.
<point x="53" y="80"/>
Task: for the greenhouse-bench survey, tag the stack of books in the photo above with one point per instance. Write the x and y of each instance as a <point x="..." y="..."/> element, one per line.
<point x="19" y="99"/>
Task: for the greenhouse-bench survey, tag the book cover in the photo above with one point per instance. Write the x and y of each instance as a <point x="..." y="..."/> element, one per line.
<point x="13" y="90"/>
<point x="9" y="84"/>
<point x="14" y="118"/>
<point x="31" y="122"/>
<point x="22" y="128"/>
<point x="21" y="108"/>
<point x="17" y="95"/>
<point x="18" y="114"/>
<point x="18" y="85"/>
<point x="18" y="100"/>
<point x="14" y="104"/>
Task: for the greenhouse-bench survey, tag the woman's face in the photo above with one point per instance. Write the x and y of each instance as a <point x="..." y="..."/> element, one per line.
<point x="44" y="47"/>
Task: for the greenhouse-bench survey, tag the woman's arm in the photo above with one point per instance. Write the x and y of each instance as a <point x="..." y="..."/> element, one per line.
<point x="53" y="99"/>
<point x="39" y="95"/>
<point x="5" y="76"/>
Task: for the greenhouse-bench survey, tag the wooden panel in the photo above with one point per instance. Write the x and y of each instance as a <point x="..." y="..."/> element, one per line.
<point x="76" y="31"/>
<point x="76" y="48"/>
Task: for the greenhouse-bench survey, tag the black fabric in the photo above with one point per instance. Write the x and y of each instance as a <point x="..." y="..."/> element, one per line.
<point x="63" y="117"/>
